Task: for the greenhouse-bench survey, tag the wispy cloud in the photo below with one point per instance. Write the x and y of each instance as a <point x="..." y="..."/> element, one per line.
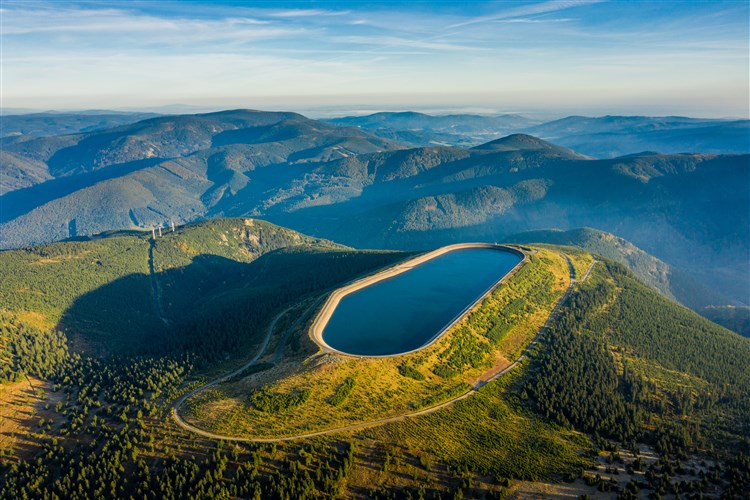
<point x="159" y="52"/>
<point x="306" y="13"/>
<point x="527" y="10"/>
<point x="383" y="42"/>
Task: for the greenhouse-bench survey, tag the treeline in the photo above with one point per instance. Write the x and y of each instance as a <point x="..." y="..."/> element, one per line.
<point x="658" y="329"/>
<point x="106" y="440"/>
<point x="119" y="468"/>
<point x="230" y="318"/>
<point x="25" y="350"/>
<point x="578" y="382"/>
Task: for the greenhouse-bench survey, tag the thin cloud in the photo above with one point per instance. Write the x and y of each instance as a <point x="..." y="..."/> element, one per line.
<point x="393" y="41"/>
<point x="306" y="13"/>
<point x="529" y="10"/>
<point x="139" y="29"/>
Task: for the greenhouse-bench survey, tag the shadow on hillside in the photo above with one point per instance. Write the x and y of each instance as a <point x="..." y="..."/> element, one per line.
<point x="214" y="305"/>
<point x="121" y="316"/>
<point x="22" y="201"/>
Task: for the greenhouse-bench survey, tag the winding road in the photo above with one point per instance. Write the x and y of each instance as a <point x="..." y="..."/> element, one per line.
<point x="371" y="423"/>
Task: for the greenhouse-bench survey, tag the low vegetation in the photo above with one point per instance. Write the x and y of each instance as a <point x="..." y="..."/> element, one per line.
<point x="491" y="336"/>
<point x="624" y="381"/>
<point x="342" y="392"/>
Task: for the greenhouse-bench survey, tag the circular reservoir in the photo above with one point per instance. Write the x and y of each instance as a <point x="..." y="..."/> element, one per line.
<point x="406" y="307"/>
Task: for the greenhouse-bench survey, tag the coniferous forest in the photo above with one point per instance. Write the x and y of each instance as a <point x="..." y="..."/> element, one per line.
<point x="626" y="367"/>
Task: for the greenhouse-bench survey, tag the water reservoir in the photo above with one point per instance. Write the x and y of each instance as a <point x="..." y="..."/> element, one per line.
<point x="408" y="310"/>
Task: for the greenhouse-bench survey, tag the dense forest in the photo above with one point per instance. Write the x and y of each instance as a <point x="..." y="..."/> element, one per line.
<point x="25" y="350"/>
<point x="620" y="363"/>
<point x="607" y="368"/>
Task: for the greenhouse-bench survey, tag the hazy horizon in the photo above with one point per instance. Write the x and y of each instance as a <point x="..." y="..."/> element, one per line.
<point x="327" y="58"/>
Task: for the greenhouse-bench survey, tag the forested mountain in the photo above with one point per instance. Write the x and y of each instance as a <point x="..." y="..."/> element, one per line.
<point x="671" y="282"/>
<point x="600" y="137"/>
<point x="347" y="185"/>
<point x="127" y="292"/>
<point x="620" y="369"/>
<point x="23" y="127"/>
<point x="170" y="137"/>
<point x="613" y="136"/>
<point x="421" y="129"/>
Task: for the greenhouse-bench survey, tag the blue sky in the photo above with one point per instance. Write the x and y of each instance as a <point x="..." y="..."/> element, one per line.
<point x="325" y="57"/>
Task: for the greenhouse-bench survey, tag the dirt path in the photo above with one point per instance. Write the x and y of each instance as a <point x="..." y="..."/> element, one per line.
<point x="261" y="351"/>
<point x="154" y="285"/>
<point x="373" y="423"/>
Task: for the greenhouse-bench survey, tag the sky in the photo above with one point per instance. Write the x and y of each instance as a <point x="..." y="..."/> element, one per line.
<point x="334" y="58"/>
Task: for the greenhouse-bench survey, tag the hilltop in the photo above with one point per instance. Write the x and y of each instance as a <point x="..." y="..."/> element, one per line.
<point x="126" y="292"/>
<point x="623" y="377"/>
<point x="347" y="185"/>
<point x="421" y="129"/>
<point x="23" y="127"/>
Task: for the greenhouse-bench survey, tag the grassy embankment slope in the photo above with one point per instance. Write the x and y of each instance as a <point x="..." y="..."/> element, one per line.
<point x="620" y="361"/>
<point x="315" y="391"/>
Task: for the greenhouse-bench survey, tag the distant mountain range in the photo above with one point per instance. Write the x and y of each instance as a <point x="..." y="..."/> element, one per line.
<point x="601" y="137"/>
<point x="424" y="130"/>
<point x="22" y="127"/>
<point x="347" y="184"/>
<point x="612" y="136"/>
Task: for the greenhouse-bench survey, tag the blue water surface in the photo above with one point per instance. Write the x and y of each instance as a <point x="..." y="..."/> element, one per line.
<point x="406" y="311"/>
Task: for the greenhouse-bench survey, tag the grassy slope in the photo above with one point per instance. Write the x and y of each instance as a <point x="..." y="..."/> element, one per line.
<point x="481" y="343"/>
<point x="670" y="366"/>
<point x="472" y="445"/>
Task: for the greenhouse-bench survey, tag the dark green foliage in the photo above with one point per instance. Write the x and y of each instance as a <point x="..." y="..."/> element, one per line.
<point x="236" y="311"/>
<point x="115" y="459"/>
<point x="51" y="279"/>
<point x="579" y="384"/>
<point x="660" y="330"/>
<point x="217" y="285"/>
<point x="738" y="474"/>
<point x="105" y="446"/>
<point x="342" y="392"/>
<point x="411" y="372"/>
<point x="275" y="402"/>
<point x="26" y="350"/>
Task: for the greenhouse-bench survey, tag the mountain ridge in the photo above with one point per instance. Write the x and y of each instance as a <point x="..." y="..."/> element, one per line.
<point x="347" y="185"/>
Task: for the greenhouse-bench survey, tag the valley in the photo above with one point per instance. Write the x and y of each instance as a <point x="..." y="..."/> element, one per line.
<point x="323" y="250"/>
<point x="347" y="185"/>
